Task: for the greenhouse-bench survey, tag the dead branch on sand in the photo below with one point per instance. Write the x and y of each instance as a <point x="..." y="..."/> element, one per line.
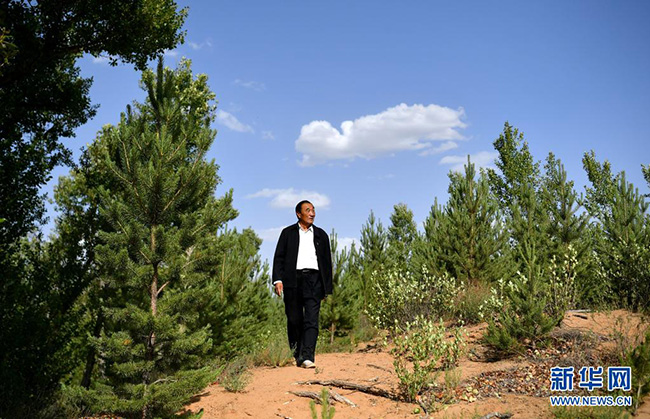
<point x="333" y="397"/>
<point x="348" y="385"/>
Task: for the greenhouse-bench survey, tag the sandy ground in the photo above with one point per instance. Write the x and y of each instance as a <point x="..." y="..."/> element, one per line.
<point x="268" y="392"/>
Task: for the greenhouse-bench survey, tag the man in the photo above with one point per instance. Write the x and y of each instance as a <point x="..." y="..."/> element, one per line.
<point x="302" y="273"/>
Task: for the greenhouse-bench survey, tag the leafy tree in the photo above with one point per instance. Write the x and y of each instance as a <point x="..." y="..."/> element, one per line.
<point x="516" y="165"/>
<point x="374" y="243"/>
<point x="41" y="91"/>
<point x="340" y="311"/>
<point x="163" y="218"/>
<point x="473" y="244"/>
<point x="603" y="184"/>
<point x="402" y="232"/>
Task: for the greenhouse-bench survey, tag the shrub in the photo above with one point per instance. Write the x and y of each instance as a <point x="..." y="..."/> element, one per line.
<point x="523" y="320"/>
<point x="399" y="298"/>
<point x="422" y="351"/>
<point x="235" y="376"/>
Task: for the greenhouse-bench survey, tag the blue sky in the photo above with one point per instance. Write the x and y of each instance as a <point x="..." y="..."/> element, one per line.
<point x="361" y="105"/>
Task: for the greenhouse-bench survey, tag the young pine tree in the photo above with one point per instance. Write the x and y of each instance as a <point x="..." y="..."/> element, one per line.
<point x="473" y="244"/>
<point x="159" y="200"/>
<point x="340" y="311"/>
<point x="374" y="243"/>
<point x="402" y="232"/>
<point x="625" y="254"/>
<point x="570" y="249"/>
<point x="525" y="319"/>
<point x="427" y="247"/>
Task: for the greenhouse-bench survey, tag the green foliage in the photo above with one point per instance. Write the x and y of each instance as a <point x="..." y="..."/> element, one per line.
<point x="235" y="301"/>
<point x="155" y="255"/>
<point x="400" y="297"/>
<point x="646" y="174"/>
<point x="523" y="320"/>
<point x="517" y="167"/>
<point x="401" y="234"/>
<point x="44" y="98"/>
<point x="340" y="311"/>
<point x="271" y="349"/>
<point x="603" y="184"/>
<point x="43" y="95"/>
<point x="639" y="359"/>
<point x="327" y="411"/>
<point x="41" y="319"/>
<point x="624" y="255"/>
<point x="563" y="291"/>
<point x="421" y="351"/>
<point x="601" y="412"/>
<point x="570" y="247"/>
<point x="374" y="242"/>
<point x="235" y="376"/>
<point x="427" y="248"/>
<point x="472" y="244"/>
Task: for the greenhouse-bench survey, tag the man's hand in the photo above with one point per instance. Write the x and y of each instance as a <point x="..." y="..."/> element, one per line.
<point x="278" y="289"/>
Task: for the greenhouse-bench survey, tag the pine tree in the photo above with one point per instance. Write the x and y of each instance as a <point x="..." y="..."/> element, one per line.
<point x="235" y="302"/>
<point x="427" y="247"/>
<point x="620" y="233"/>
<point x="163" y="218"/>
<point x="473" y="244"/>
<point x="374" y="243"/>
<point x="525" y="319"/>
<point x="625" y="254"/>
<point x="570" y="246"/>
<point x="340" y="311"/>
<point x="402" y="232"/>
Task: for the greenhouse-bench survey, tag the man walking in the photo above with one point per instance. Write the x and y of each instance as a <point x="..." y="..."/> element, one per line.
<point x="302" y="273"/>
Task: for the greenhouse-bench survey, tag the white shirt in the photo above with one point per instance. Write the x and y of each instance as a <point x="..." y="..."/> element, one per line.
<point x="306" y="249"/>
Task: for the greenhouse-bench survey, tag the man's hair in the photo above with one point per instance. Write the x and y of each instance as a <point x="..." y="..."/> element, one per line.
<point x="299" y="206"/>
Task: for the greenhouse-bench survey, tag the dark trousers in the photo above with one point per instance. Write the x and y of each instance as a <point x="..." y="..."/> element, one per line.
<point x="302" y="305"/>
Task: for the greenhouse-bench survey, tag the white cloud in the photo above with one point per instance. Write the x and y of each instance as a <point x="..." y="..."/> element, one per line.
<point x="269" y="234"/>
<point x="446" y="146"/>
<point x="229" y="120"/>
<point x="346" y="243"/>
<point x="480" y="159"/>
<point x="102" y="59"/>
<point x="171" y="53"/>
<point x="288" y="198"/>
<point x="400" y="128"/>
<point x="268" y="135"/>
<point x="254" y="85"/>
<point x="197" y="46"/>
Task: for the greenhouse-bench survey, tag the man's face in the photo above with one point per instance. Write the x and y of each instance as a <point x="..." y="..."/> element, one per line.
<point x="306" y="214"/>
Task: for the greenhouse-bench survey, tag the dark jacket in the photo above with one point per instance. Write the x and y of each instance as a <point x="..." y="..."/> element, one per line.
<point x="286" y="257"/>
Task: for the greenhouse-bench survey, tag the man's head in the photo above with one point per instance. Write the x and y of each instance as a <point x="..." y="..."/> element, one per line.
<point x="305" y="213"/>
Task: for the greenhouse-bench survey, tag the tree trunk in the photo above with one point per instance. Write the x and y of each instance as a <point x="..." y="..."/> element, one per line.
<point x="91" y="357"/>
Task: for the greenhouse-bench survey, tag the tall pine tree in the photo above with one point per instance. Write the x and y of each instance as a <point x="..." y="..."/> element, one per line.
<point x="402" y="232"/>
<point x="374" y="243"/>
<point x="164" y="220"/>
<point x="340" y="311"/>
<point x="473" y="243"/>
